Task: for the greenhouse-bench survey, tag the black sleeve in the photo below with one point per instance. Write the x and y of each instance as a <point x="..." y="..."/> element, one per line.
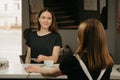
<point x="58" y="41"/>
<point x="68" y="64"/>
<point x="28" y="38"/>
<point x="107" y="73"/>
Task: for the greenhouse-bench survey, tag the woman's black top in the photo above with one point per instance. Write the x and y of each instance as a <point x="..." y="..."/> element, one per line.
<point x="70" y="66"/>
<point x="43" y="44"/>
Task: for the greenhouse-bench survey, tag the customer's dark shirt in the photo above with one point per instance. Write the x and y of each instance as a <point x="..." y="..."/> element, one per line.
<point x="70" y="66"/>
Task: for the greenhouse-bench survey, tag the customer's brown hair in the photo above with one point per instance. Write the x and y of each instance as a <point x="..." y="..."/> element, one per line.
<point x="92" y="45"/>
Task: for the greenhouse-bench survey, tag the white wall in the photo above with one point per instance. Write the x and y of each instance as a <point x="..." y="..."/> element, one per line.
<point x="112" y="35"/>
<point x="110" y="32"/>
<point x="69" y="37"/>
<point x="25" y="21"/>
<point x="117" y="42"/>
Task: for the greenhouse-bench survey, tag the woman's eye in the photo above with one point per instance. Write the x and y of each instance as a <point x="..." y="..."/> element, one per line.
<point x="49" y="18"/>
<point x="43" y="17"/>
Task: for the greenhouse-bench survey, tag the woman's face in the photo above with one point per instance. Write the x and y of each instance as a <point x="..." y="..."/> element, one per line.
<point x="45" y="20"/>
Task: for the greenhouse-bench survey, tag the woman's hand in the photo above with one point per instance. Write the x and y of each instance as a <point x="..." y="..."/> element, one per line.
<point x="55" y="71"/>
<point x="33" y="69"/>
<point x="39" y="58"/>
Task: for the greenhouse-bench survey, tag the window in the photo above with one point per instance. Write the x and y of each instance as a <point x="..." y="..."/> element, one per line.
<point x="10" y="30"/>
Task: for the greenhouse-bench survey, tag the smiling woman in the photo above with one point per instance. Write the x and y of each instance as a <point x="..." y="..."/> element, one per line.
<point x="10" y="30"/>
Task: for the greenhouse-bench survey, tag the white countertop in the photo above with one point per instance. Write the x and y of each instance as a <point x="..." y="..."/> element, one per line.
<point x="115" y="73"/>
<point x="18" y="71"/>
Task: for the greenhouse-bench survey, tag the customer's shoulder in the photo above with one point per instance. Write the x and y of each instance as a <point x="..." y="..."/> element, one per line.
<point x="69" y="55"/>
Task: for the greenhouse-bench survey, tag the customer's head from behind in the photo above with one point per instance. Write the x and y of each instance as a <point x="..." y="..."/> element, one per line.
<point x="45" y="17"/>
<point x="92" y="45"/>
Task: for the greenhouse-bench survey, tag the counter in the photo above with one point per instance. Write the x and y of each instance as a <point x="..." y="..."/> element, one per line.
<point x="115" y="75"/>
<point x="18" y="71"/>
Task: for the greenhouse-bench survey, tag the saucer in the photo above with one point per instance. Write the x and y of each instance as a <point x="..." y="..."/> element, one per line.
<point x="48" y="67"/>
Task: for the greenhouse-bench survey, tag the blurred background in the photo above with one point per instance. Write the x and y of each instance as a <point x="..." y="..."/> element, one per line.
<point x="10" y="30"/>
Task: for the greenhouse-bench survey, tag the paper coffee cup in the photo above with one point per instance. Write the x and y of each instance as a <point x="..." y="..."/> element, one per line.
<point x="49" y="63"/>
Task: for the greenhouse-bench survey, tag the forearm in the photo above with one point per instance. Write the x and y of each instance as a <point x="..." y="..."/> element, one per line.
<point x="55" y="71"/>
<point x="50" y="72"/>
<point x="27" y="60"/>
